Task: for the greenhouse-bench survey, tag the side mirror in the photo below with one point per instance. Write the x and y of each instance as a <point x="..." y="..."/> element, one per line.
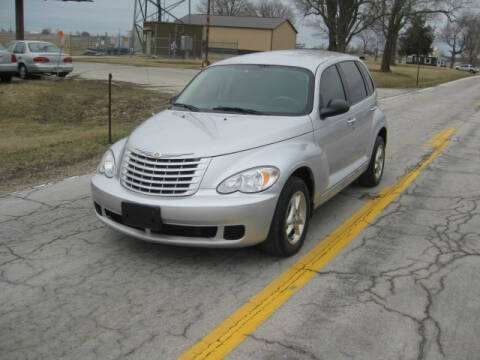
<point x="174" y="98"/>
<point x="334" y="107"/>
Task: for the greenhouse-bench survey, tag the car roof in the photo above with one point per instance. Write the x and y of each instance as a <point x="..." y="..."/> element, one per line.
<point x="308" y="59"/>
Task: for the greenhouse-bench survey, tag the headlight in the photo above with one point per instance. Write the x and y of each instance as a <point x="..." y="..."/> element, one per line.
<point x="250" y="181"/>
<point x="107" y="165"/>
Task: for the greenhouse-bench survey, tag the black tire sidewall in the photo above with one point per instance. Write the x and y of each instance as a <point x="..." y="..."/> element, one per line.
<point x="20" y="72"/>
<point x="379" y="141"/>
<point x="368" y="177"/>
<point x="278" y="242"/>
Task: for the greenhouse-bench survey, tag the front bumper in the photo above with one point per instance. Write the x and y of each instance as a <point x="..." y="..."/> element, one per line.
<point x="206" y="208"/>
<point x="50" y="68"/>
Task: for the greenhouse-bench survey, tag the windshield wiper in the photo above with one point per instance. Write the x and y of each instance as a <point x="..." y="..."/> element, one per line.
<point x="187" y="106"/>
<point x="237" y="110"/>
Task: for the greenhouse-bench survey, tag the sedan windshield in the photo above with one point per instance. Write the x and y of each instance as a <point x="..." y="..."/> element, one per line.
<point x="250" y="89"/>
<point x="42" y="47"/>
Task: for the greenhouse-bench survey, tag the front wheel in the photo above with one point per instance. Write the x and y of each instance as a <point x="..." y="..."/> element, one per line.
<point x="372" y="176"/>
<point x="290" y="221"/>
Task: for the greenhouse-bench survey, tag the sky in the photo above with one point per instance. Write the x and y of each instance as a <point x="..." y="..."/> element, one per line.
<point x="98" y="17"/>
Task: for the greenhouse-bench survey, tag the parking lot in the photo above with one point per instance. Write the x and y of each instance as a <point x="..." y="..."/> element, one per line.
<point x="405" y="286"/>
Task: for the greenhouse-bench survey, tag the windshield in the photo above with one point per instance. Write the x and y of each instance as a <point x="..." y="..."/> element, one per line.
<point x="2" y="47"/>
<point x="42" y="47"/>
<point x="254" y="89"/>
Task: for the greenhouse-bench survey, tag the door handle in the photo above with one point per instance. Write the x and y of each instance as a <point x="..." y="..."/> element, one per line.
<point x="351" y="121"/>
<point x="373" y="108"/>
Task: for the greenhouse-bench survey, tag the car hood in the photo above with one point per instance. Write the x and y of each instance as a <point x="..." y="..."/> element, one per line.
<point x="212" y="134"/>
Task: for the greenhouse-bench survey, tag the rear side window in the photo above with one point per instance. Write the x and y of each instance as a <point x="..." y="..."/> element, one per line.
<point x="367" y="78"/>
<point x="354" y="82"/>
<point x="331" y="86"/>
<point x="19" y="48"/>
<point x="11" y="46"/>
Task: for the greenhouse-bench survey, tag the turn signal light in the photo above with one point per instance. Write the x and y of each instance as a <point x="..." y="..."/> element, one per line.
<point x="41" y="59"/>
<point x="67" y="59"/>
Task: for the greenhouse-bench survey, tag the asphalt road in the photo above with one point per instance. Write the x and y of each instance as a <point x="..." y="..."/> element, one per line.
<point x="407" y="287"/>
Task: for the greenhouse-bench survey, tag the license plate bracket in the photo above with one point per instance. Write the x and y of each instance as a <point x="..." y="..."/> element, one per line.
<point x="141" y="216"/>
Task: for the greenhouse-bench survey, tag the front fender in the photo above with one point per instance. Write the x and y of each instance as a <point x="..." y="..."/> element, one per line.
<point x="287" y="156"/>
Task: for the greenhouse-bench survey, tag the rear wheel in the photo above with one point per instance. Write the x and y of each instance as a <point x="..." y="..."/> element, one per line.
<point x="290" y="221"/>
<point x="372" y="176"/>
<point x="23" y="72"/>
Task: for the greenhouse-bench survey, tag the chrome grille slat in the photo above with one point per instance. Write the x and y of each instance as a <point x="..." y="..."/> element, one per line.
<point x="143" y="178"/>
<point x="162" y="176"/>
<point x="159" y="168"/>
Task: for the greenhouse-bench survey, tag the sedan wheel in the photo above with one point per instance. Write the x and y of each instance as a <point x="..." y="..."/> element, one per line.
<point x="290" y="221"/>
<point x="23" y="72"/>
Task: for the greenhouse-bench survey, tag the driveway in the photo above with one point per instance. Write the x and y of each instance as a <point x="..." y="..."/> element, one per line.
<point x="406" y="287"/>
<point x="163" y="79"/>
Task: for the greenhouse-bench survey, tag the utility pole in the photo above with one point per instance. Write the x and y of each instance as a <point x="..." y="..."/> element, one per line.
<point x="206" y="62"/>
<point x="20" y="33"/>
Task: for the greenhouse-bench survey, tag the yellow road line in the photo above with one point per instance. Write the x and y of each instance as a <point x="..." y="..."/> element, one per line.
<point x="232" y="331"/>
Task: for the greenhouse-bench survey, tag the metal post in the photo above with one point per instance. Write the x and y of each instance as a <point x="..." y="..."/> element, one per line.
<point x="206" y="62"/>
<point x="418" y="69"/>
<point x="134" y="29"/>
<point x="189" y="11"/>
<point x="20" y="33"/>
<point x="110" y="108"/>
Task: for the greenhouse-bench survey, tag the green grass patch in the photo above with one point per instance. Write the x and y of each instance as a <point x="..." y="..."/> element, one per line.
<point x="50" y="126"/>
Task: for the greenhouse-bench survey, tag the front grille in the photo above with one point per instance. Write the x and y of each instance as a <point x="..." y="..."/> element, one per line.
<point x="164" y="176"/>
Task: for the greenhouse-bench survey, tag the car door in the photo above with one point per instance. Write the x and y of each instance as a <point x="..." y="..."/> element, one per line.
<point x="361" y="111"/>
<point x="334" y="134"/>
<point x="19" y="52"/>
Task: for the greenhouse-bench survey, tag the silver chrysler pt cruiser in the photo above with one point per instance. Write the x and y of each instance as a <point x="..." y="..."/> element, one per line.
<point x="246" y="152"/>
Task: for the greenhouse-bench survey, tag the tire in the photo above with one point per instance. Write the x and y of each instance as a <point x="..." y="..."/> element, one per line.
<point x="372" y="176"/>
<point x="62" y="74"/>
<point x="23" y="72"/>
<point x="278" y="243"/>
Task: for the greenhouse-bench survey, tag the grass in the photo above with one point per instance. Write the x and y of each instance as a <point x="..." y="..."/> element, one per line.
<point x="404" y="76"/>
<point x="53" y="128"/>
<point x="151" y="62"/>
<point x="143" y="61"/>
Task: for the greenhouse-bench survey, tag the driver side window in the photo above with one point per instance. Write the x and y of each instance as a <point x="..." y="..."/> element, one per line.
<point x="331" y="86"/>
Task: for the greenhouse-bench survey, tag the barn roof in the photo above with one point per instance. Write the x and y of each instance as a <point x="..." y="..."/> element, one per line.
<point x="252" y="22"/>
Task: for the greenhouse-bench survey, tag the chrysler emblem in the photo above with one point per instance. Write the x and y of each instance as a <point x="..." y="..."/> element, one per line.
<point x="156" y="154"/>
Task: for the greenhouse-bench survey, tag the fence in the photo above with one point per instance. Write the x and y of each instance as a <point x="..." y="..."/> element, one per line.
<point x="76" y="44"/>
<point x="163" y="46"/>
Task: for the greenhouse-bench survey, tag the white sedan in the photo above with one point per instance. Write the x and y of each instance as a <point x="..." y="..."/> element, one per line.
<point x="40" y="57"/>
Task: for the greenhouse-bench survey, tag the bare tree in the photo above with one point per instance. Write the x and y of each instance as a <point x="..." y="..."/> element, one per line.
<point x="368" y="37"/>
<point x="274" y="9"/>
<point x="343" y="19"/>
<point x="227" y="7"/>
<point x="395" y="14"/>
<point x="471" y="25"/>
<point x="454" y="36"/>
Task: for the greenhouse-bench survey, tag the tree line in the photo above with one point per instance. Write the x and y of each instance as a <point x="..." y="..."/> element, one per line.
<point x="388" y="24"/>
